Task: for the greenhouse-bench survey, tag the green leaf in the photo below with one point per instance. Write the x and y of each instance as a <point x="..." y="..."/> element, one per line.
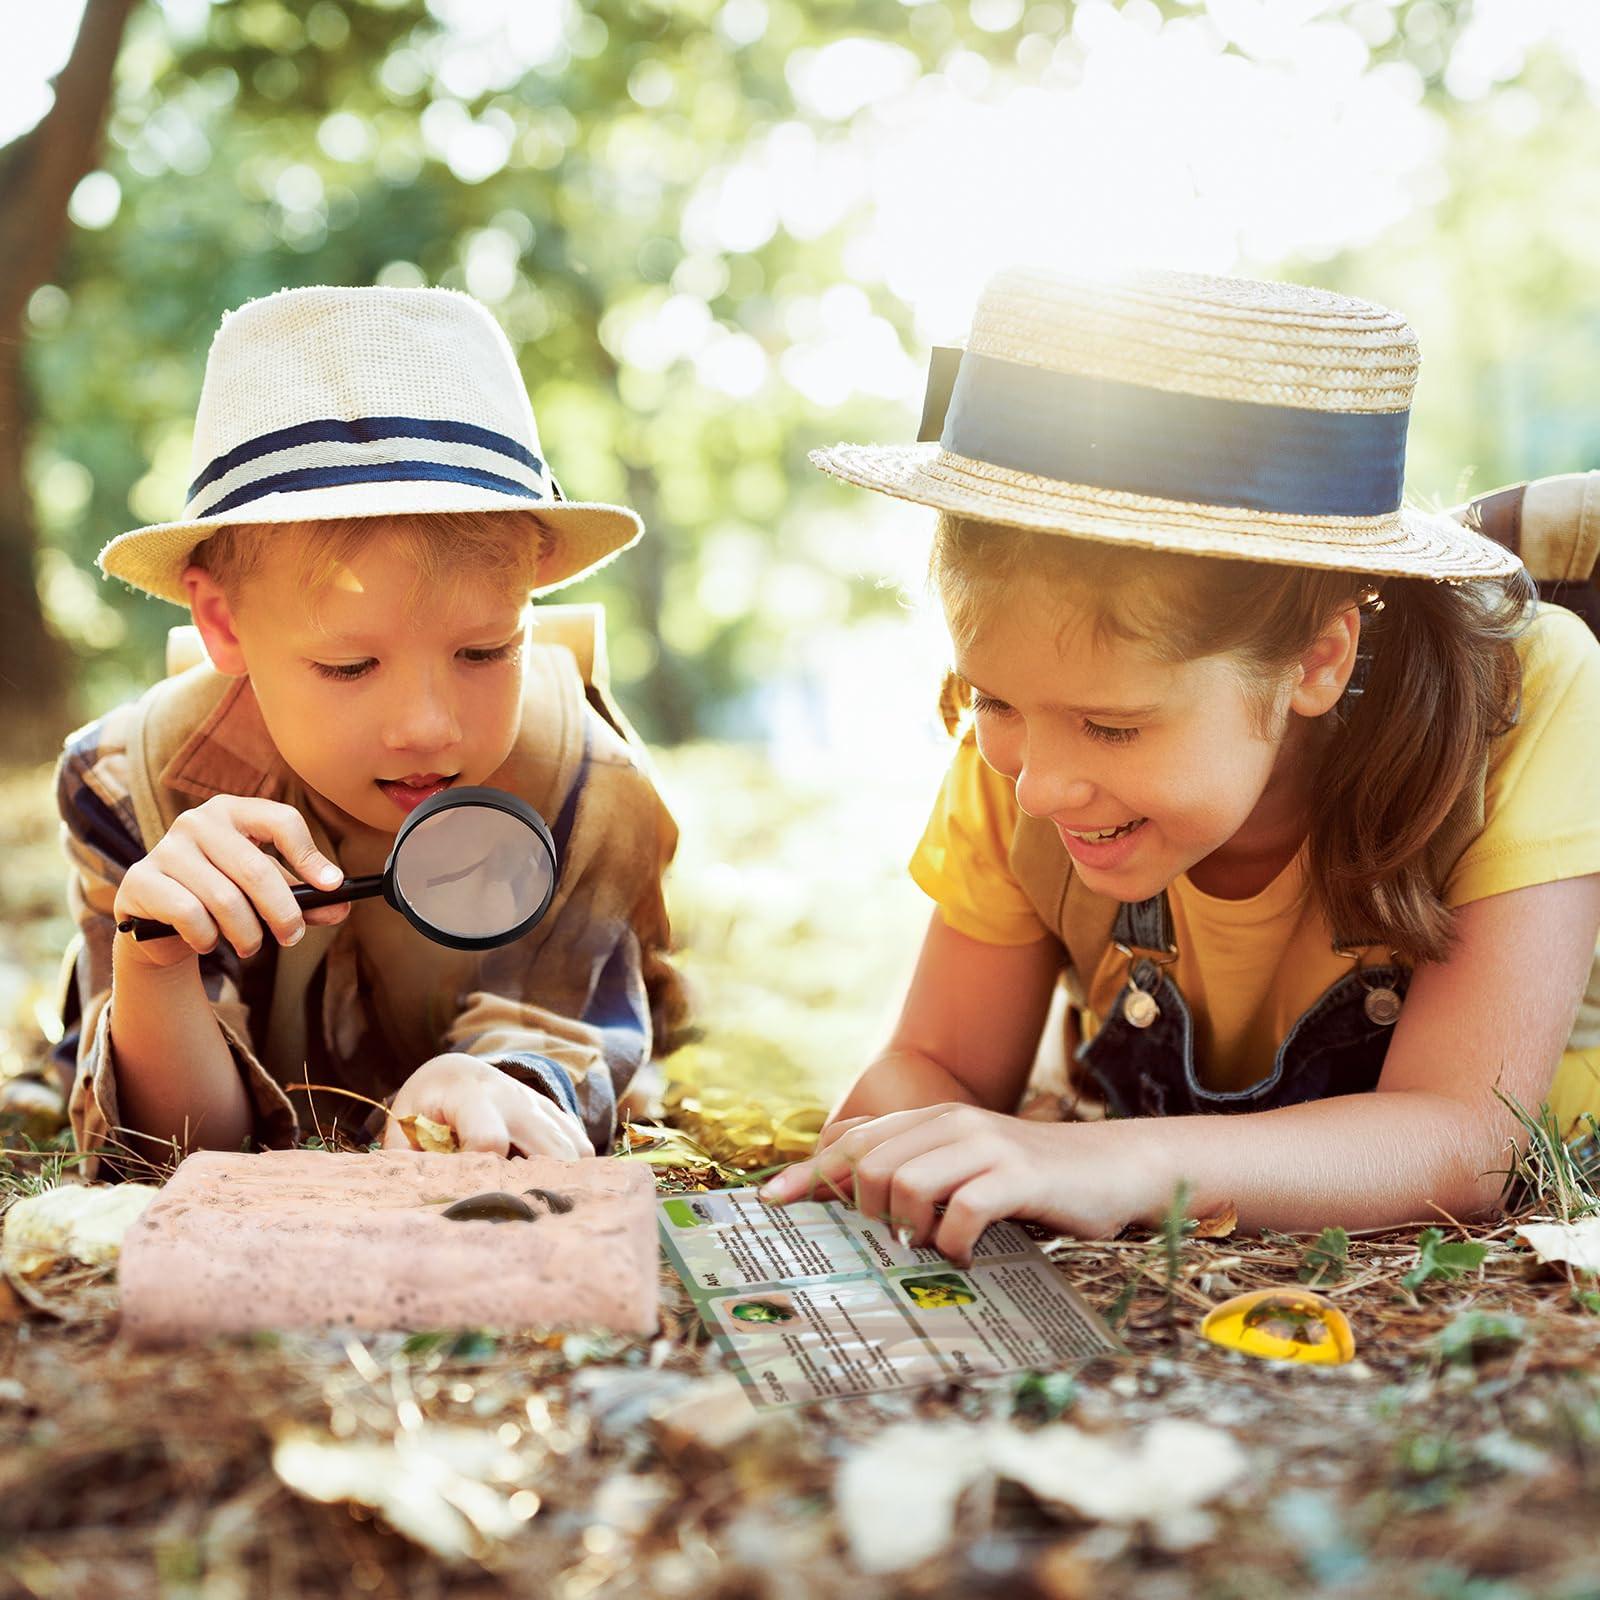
<point x="1044" y="1395"/>
<point x="1436" y="1259"/>
<point x="1475" y="1333"/>
<point x="1326" y="1259"/>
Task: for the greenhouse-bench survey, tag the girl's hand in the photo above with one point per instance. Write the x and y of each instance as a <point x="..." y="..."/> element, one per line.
<point x="981" y="1166"/>
<point x="209" y="877"/>
<point x="488" y="1110"/>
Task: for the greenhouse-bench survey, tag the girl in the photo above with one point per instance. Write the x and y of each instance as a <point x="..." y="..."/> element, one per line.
<point x="1296" y="787"/>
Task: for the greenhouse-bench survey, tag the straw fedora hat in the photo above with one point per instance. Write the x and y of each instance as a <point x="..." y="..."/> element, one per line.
<point x="328" y="402"/>
<point x="1173" y="411"/>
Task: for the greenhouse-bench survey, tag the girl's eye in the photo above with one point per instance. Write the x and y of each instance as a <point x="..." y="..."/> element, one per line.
<point x="985" y="706"/>
<point x="1097" y="730"/>
<point x="346" y="672"/>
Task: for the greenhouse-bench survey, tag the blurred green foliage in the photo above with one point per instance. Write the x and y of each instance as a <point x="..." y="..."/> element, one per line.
<point x="588" y="186"/>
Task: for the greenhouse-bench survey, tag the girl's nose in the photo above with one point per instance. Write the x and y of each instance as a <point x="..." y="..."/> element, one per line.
<point x="1042" y="792"/>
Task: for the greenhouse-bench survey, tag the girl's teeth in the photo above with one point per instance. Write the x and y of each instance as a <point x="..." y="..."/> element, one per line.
<point x="1106" y="833"/>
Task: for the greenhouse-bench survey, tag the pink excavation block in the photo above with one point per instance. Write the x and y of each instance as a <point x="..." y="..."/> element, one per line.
<point x="307" y="1239"/>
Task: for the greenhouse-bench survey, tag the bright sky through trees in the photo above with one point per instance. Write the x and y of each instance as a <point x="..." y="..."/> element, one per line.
<point x="1133" y="140"/>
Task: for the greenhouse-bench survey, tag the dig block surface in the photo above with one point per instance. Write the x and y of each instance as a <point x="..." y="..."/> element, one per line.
<point x="308" y="1239"/>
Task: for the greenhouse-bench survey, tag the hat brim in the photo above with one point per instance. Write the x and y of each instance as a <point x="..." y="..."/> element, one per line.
<point x="1407" y="544"/>
<point x="587" y="534"/>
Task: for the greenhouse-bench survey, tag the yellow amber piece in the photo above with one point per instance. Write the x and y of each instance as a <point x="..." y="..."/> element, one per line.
<point x="1281" y="1325"/>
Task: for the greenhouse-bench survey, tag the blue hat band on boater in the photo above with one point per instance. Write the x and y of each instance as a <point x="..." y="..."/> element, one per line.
<point x="1107" y="434"/>
<point x="306" y="456"/>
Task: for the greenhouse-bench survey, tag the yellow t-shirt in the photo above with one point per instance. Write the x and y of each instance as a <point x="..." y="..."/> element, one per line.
<point x="1249" y="968"/>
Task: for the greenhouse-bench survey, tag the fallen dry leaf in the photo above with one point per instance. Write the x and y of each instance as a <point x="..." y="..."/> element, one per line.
<point x="1219" y="1225"/>
<point x="1575" y="1243"/>
<point x="451" y="1490"/>
<point x="423" y="1133"/>
<point x="897" y="1496"/>
<point x="73" y="1222"/>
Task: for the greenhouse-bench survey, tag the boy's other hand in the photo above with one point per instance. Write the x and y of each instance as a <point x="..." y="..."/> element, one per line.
<point x="488" y="1110"/>
<point x="210" y="878"/>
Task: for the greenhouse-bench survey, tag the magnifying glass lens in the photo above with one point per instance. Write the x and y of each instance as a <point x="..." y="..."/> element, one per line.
<point x="473" y="871"/>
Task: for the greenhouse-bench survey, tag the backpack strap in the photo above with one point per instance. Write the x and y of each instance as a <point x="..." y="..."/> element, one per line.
<point x="1554" y="525"/>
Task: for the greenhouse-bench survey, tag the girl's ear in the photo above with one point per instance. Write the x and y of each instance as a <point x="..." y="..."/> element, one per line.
<point x="213" y="616"/>
<point x="1325" y="667"/>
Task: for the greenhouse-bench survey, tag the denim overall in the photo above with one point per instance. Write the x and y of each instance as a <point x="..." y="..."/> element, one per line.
<point x="1334" y="1048"/>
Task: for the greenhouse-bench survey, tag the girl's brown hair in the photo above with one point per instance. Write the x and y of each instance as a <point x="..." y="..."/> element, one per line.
<point x="446" y="550"/>
<point x="1443" y="680"/>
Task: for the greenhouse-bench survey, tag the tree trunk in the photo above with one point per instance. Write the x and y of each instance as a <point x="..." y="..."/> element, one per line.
<point x="38" y="173"/>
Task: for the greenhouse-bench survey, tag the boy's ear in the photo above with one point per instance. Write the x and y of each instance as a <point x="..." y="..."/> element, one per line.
<point x="214" y="618"/>
<point x="1326" y="666"/>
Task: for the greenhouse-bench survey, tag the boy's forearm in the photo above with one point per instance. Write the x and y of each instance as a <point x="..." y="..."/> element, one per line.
<point x="176" y="1078"/>
<point x="1356" y="1161"/>
<point x="897" y="1081"/>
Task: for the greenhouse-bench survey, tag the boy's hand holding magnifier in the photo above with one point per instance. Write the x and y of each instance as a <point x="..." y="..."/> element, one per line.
<point x="207" y="879"/>
<point x="472" y="868"/>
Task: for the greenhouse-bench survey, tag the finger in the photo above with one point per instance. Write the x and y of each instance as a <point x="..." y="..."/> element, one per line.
<point x="539" y="1131"/>
<point x="170" y="902"/>
<point x="925" y="1182"/>
<point x="835" y="1129"/>
<point x="272" y="822"/>
<point x="328" y="916"/>
<point x="970" y="1209"/>
<point x="479" y="1126"/>
<point x="874" y="1175"/>
<point x="257" y="876"/>
<point x="226" y="903"/>
<point x="819" y="1176"/>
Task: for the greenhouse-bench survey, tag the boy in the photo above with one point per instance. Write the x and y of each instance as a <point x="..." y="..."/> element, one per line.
<point x="368" y="515"/>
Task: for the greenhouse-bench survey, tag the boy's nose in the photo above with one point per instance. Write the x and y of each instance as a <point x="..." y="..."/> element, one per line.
<point x="423" y="723"/>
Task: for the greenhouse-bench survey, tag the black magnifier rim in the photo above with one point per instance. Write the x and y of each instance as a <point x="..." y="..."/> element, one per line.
<point x="445" y="800"/>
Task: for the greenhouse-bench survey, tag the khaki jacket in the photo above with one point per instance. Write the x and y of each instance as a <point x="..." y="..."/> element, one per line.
<point x="573" y="1008"/>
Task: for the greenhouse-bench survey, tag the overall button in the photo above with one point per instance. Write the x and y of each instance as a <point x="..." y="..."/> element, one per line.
<point x="1382" y="1006"/>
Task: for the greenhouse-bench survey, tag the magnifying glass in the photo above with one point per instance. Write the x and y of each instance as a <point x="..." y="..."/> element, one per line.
<point x="471" y="868"/>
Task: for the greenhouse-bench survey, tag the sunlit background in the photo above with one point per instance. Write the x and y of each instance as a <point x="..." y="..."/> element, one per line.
<point x="719" y="235"/>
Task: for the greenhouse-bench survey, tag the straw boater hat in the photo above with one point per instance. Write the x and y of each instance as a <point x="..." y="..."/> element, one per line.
<point x="1170" y="411"/>
<point x="321" y="403"/>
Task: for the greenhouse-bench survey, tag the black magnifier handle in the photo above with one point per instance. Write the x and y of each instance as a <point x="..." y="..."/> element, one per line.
<point x="305" y="896"/>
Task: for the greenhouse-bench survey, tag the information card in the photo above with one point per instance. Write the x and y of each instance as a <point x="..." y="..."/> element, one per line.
<point x="812" y="1300"/>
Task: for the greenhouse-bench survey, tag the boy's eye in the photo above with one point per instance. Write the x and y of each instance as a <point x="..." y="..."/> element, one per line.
<point x="498" y="653"/>
<point x="343" y="672"/>
<point x="350" y="671"/>
<point x="1097" y="730"/>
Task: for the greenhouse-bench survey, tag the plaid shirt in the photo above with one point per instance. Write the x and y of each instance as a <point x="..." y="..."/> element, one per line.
<point x="571" y="1008"/>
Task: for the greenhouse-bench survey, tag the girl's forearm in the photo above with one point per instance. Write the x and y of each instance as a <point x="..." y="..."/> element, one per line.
<point x="1356" y="1161"/>
<point x="897" y="1081"/>
<point x="176" y="1079"/>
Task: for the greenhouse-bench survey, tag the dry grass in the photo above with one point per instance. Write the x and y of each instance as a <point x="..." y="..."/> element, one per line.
<point x="1458" y="1457"/>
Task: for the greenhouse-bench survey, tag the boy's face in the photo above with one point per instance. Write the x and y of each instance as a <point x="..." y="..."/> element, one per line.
<point x="367" y="695"/>
<point x="1097" y="735"/>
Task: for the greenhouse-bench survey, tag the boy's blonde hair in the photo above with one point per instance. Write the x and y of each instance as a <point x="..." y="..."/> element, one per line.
<point x="447" y="549"/>
<point x="1443" y="681"/>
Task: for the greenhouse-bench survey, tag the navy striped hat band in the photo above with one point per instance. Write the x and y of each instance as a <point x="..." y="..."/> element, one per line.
<point x="521" y="473"/>
<point x="1182" y="447"/>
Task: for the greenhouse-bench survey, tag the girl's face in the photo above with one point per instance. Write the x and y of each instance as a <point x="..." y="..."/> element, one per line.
<point x="1101" y="736"/>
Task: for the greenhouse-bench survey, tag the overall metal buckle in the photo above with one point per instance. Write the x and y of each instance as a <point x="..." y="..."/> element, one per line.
<point x="1139" y="1007"/>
